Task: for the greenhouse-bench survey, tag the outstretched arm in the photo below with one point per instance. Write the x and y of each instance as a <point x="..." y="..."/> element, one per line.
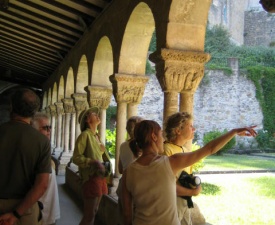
<point x="182" y="160"/>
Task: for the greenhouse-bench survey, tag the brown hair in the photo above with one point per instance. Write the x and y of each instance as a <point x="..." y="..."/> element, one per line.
<point x="176" y="120"/>
<point x="143" y="134"/>
<point x="131" y="123"/>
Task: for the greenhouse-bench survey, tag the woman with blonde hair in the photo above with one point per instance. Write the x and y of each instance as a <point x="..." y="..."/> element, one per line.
<point x="149" y="183"/>
<point x="179" y="130"/>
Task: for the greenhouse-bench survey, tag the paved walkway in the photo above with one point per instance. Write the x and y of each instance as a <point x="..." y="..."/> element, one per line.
<point x="70" y="206"/>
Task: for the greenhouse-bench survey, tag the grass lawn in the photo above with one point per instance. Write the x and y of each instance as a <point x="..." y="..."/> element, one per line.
<point x="237" y="162"/>
<point x="238" y="199"/>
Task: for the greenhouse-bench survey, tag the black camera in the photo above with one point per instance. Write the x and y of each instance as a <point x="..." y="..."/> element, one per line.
<point x="189" y="181"/>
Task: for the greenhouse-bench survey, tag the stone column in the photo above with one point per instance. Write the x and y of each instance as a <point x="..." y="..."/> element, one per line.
<point x="80" y="104"/>
<point x="132" y="110"/>
<point x="63" y="132"/>
<point x="53" y="123"/>
<point x="59" y="131"/>
<point x="48" y="112"/>
<point x="179" y="72"/>
<point x="100" y="96"/>
<point x="72" y="140"/>
<point x="68" y="109"/>
<point x="127" y="89"/>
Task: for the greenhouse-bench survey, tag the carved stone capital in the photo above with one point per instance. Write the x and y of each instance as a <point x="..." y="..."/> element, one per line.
<point x="268" y="5"/>
<point x="99" y="96"/>
<point x="128" y="88"/>
<point x="59" y="108"/>
<point x="68" y="105"/>
<point x="52" y="110"/>
<point x="80" y="101"/>
<point x="48" y="110"/>
<point x="179" y="71"/>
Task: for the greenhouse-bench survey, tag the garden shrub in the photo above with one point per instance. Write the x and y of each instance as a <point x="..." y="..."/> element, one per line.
<point x="111" y="142"/>
<point x="209" y="136"/>
<point x="265" y="140"/>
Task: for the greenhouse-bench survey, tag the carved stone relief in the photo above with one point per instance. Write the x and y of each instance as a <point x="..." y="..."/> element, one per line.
<point x="53" y="110"/>
<point x="179" y="71"/>
<point x="99" y="96"/>
<point x="68" y="105"/>
<point x="128" y="88"/>
<point x="59" y="108"/>
<point x="80" y="101"/>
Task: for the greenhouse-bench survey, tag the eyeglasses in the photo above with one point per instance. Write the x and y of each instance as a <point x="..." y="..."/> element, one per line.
<point x="46" y="128"/>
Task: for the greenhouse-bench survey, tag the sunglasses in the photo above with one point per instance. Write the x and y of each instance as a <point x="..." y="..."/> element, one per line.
<point x="46" y="128"/>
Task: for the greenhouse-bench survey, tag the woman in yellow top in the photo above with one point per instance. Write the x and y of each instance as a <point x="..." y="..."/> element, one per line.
<point x="179" y="129"/>
<point x="149" y="183"/>
<point x="88" y="156"/>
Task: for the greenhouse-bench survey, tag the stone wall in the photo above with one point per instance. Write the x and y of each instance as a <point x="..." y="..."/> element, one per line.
<point x="259" y="28"/>
<point x="230" y="14"/>
<point x="221" y="102"/>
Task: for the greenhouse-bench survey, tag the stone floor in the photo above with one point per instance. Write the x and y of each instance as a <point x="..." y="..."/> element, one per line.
<point x="70" y="206"/>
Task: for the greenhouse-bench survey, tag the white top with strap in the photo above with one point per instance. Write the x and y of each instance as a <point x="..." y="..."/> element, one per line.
<point x="153" y="189"/>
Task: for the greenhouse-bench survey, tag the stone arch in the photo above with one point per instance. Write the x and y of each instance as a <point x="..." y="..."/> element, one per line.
<point x="187" y="25"/>
<point x="60" y="89"/>
<point x="136" y="40"/>
<point x="44" y="104"/>
<point x="103" y="65"/>
<point x="69" y="84"/>
<point x="54" y="93"/>
<point x="82" y="75"/>
<point x="49" y="100"/>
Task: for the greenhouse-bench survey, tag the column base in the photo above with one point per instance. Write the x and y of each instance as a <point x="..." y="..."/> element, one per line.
<point x="64" y="159"/>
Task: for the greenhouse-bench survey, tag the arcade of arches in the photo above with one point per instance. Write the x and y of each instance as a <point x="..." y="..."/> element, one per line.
<point x="111" y="59"/>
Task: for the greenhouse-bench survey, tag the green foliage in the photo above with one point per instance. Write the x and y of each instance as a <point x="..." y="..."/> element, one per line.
<point x="209" y="136"/>
<point x="217" y="40"/>
<point x="200" y="164"/>
<point x="210" y="189"/>
<point x="264" y="81"/>
<point x="253" y="55"/>
<point x="263" y="139"/>
<point x="227" y="70"/>
<point x="259" y="64"/>
<point x="111" y="142"/>
<point x="110" y="116"/>
<point x="153" y="43"/>
<point x="149" y="68"/>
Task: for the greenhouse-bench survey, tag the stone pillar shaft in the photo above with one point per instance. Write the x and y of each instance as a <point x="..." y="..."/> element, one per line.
<point x="68" y="109"/>
<point x="53" y="123"/>
<point x="127" y="89"/>
<point x="72" y="140"/>
<point x="80" y="104"/>
<point x="59" y="111"/>
<point x="100" y="96"/>
<point x="177" y="72"/>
